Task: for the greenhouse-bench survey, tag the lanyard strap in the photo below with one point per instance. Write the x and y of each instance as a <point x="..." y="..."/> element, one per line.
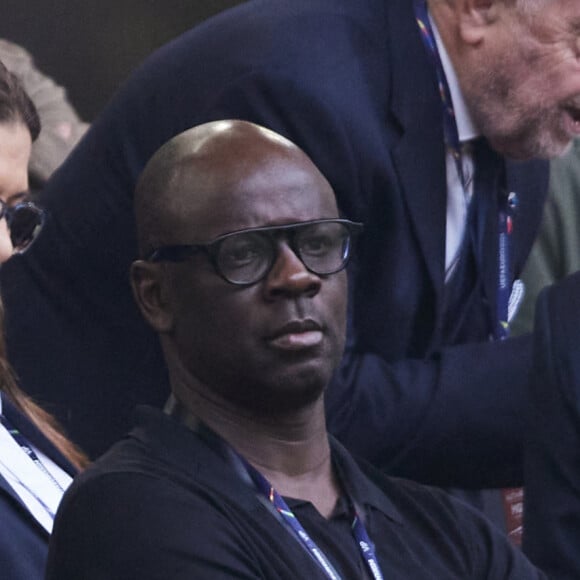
<point x="450" y="132"/>
<point x="27" y="448"/>
<point x="358" y="530"/>
<point x="507" y="207"/>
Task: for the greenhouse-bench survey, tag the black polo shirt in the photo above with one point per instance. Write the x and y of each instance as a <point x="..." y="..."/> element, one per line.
<point x="167" y="503"/>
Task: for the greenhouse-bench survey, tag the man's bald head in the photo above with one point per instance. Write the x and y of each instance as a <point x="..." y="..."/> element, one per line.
<point x="233" y="180"/>
<point x="191" y="168"/>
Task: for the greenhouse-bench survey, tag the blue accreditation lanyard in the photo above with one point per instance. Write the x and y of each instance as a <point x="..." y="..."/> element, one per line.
<point x="450" y="132"/>
<point x="507" y="203"/>
<point x="507" y="208"/>
<point x="358" y="530"/>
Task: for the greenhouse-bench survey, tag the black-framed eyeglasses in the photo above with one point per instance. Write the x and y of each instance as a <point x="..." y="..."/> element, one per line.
<point x="25" y="221"/>
<point x="245" y="257"/>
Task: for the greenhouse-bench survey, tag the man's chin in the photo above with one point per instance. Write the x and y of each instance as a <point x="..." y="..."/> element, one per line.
<point x="523" y="150"/>
<point x="566" y="149"/>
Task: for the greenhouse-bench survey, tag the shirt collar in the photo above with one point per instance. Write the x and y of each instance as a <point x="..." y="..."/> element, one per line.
<point x="359" y="486"/>
<point x="466" y="128"/>
<point x="172" y="441"/>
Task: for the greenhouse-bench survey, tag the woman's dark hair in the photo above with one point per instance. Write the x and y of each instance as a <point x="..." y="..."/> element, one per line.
<point x="15" y="105"/>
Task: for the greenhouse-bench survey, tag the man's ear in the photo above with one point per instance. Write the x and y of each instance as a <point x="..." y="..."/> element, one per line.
<point x="150" y="292"/>
<point x="475" y="17"/>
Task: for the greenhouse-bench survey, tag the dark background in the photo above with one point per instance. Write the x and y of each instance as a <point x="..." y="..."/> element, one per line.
<point x="91" y="46"/>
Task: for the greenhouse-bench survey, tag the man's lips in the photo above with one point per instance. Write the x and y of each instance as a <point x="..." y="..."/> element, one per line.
<point x="297" y="335"/>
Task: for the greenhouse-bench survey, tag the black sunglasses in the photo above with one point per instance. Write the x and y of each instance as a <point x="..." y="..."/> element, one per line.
<point x="245" y="257"/>
<point x="24" y="221"/>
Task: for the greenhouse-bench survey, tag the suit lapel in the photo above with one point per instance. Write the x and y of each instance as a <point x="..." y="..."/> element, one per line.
<point x="534" y="174"/>
<point x="488" y="183"/>
<point x="6" y="489"/>
<point x="525" y="222"/>
<point x="419" y="155"/>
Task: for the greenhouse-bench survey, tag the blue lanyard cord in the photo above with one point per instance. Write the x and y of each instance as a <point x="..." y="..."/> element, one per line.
<point x="27" y="448"/>
<point x="366" y="546"/>
<point x="507" y="208"/>
<point x="451" y="133"/>
<point x="359" y="532"/>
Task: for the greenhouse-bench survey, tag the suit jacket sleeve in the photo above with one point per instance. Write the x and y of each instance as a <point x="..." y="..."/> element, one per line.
<point x="447" y="420"/>
<point x="552" y="467"/>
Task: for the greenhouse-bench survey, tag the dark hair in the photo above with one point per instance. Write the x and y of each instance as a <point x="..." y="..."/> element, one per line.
<point x="16" y="107"/>
<point x="15" y="104"/>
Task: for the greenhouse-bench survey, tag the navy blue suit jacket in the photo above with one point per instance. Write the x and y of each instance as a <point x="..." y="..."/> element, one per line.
<point x="552" y="467"/>
<point x="350" y="83"/>
<point x="23" y="541"/>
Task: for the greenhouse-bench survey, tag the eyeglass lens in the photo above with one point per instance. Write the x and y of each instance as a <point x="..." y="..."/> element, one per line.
<point x="246" y="257"/>
<point x="24" y="221"/>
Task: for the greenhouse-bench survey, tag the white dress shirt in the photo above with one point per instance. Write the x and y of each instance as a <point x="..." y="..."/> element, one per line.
<point x="457" y="199"/>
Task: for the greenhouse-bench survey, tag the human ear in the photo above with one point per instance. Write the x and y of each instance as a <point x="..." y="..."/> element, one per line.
<point x="475" y="18"/>
<point x="151" y="294"/>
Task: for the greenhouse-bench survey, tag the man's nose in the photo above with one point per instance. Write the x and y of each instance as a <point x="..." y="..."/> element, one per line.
<point x="289" y="276"/>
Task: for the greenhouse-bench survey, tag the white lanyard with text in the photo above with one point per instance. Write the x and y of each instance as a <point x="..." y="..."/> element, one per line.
<point x="50" y="498"/>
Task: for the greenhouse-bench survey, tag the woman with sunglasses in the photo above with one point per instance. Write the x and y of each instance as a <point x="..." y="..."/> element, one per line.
<point x="37" y="462"/>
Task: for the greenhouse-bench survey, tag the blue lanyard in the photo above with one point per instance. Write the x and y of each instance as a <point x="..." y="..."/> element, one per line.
<point x="507" y="203"/>
<point x="450" y="132"/>
<point x="507" y="208"/>
<point x="358" y="530"/>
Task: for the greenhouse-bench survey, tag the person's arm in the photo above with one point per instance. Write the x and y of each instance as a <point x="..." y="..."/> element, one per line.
<point x="451" y="420"/>
<point x="481" y="550"/>
<point x="552" y="466"/>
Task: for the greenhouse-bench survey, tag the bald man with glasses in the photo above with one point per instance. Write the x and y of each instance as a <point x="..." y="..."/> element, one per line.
<point x="243" y="278"/>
